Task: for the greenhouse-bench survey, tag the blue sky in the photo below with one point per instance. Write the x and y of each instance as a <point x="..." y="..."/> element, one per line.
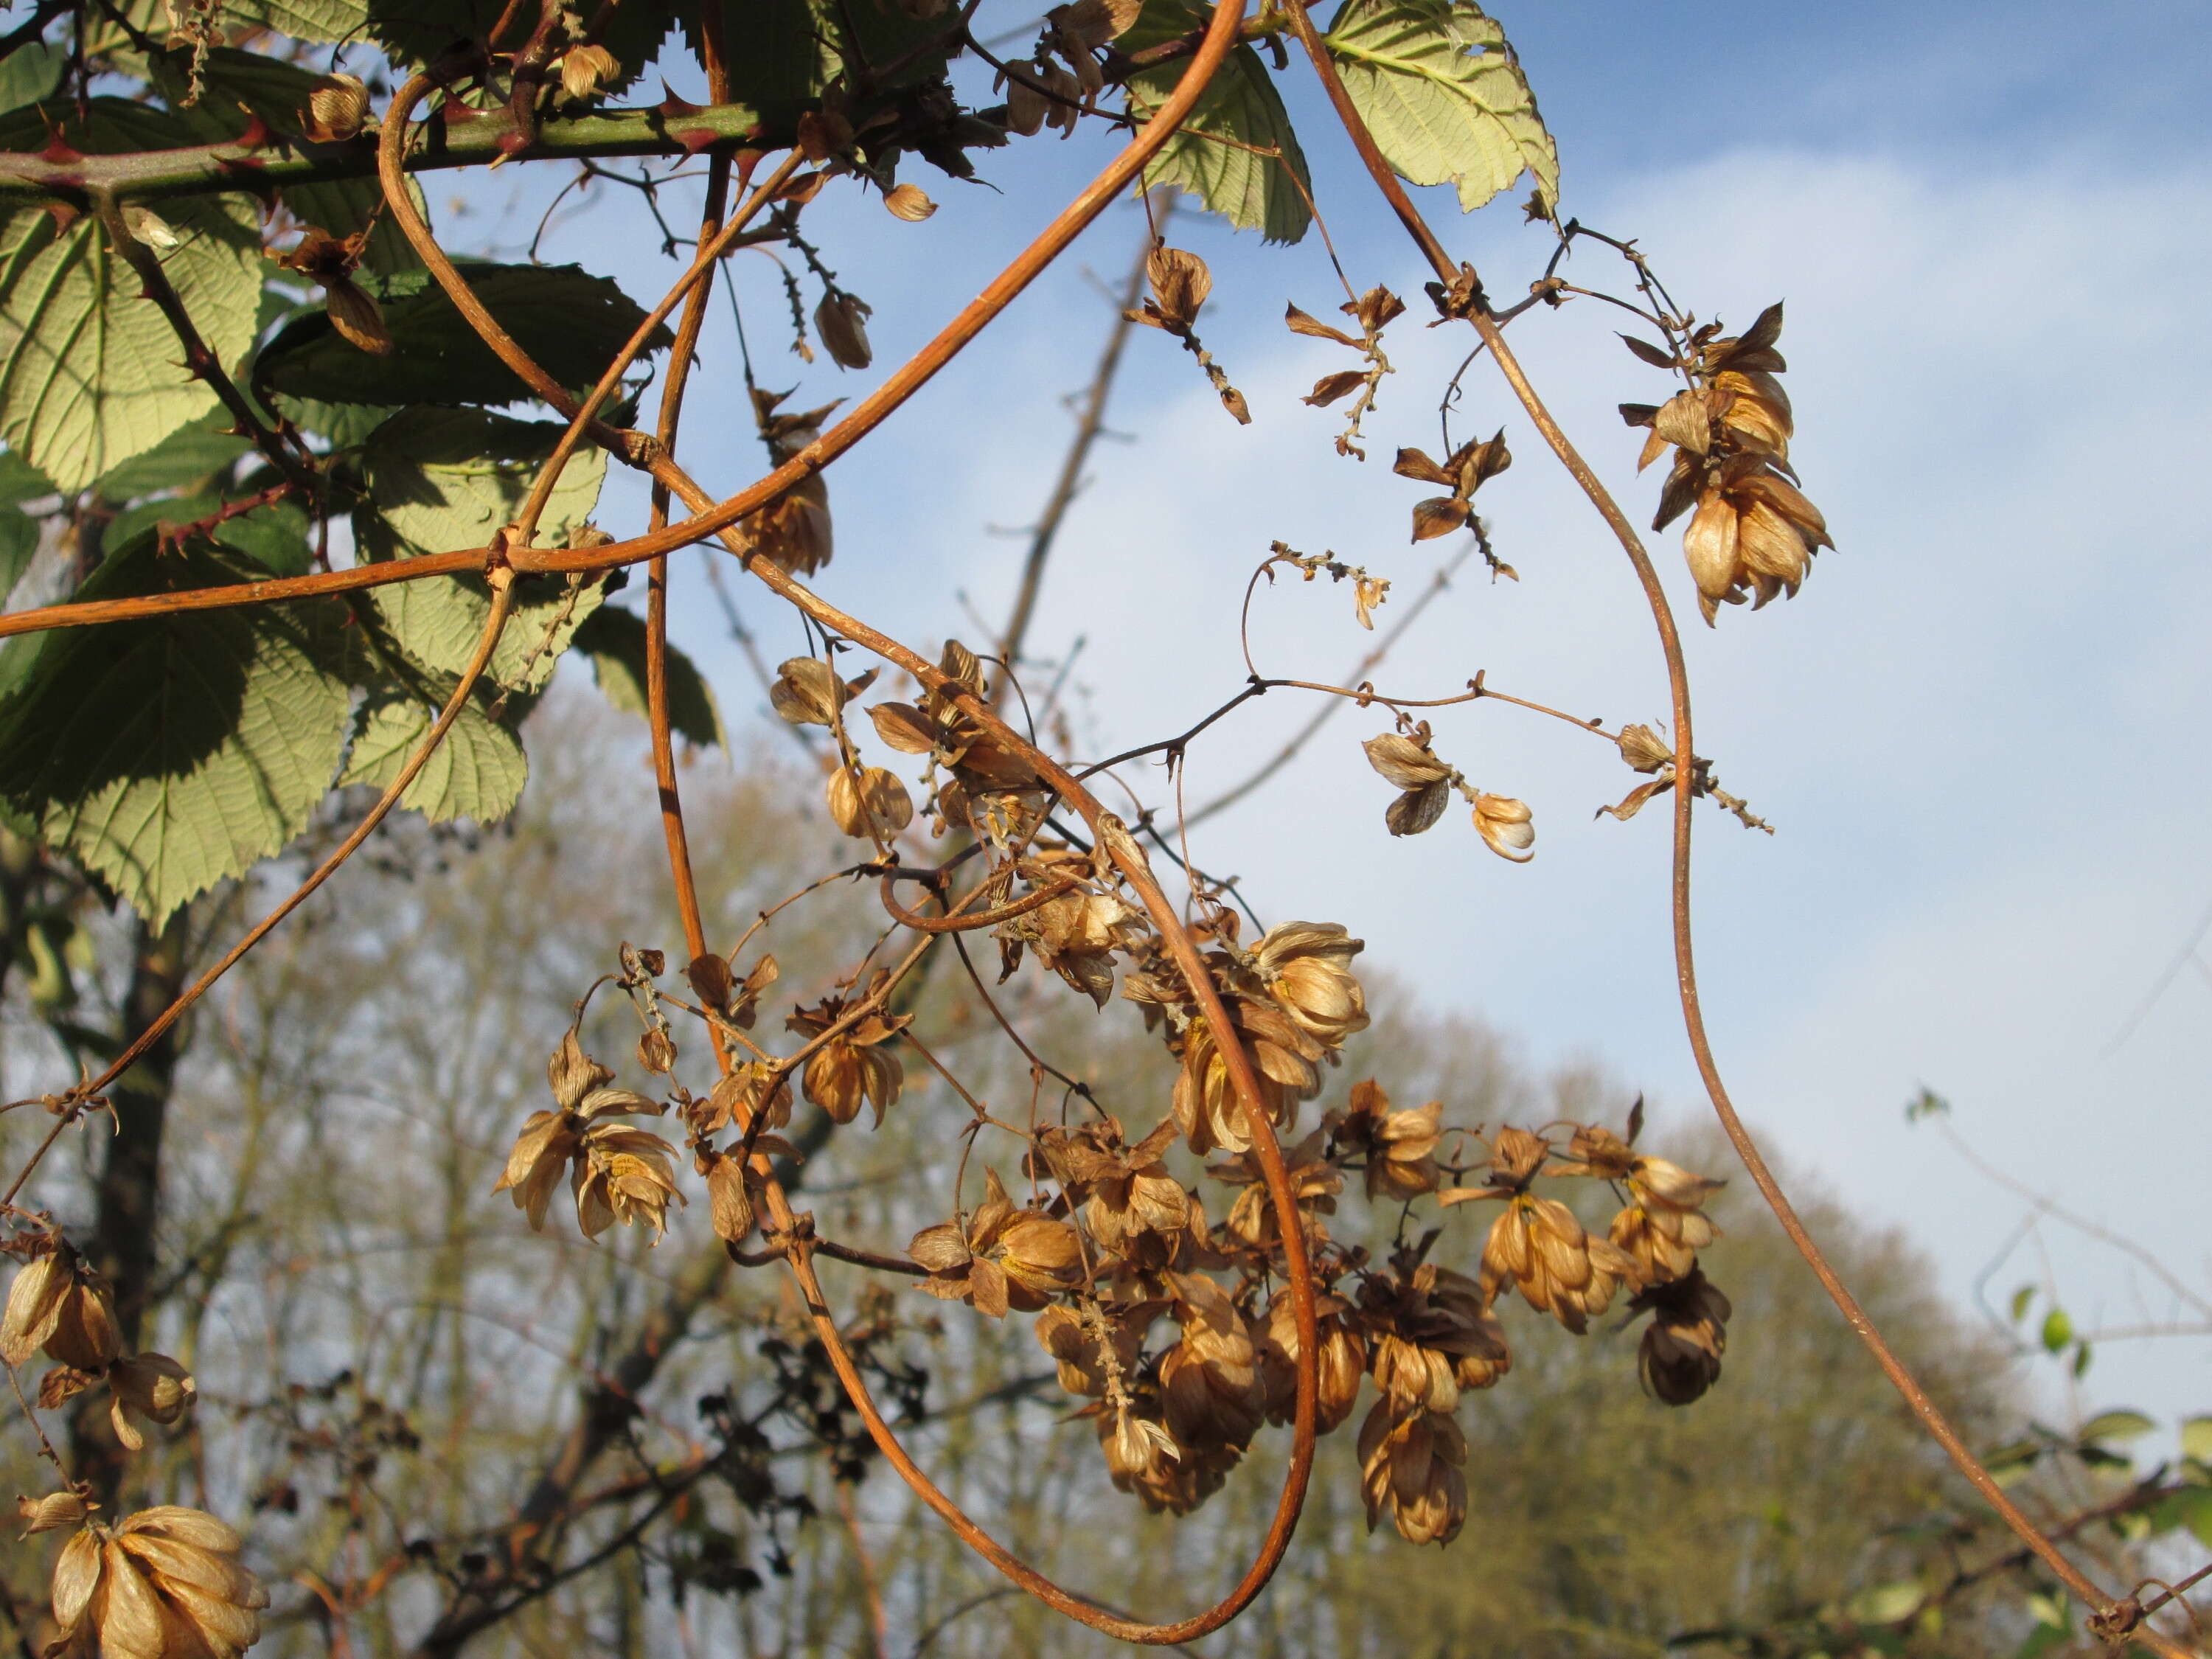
<point x="1979" y="728"/>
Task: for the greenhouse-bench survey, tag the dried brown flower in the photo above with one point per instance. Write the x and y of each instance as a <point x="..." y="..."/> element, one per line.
<point x="1127" y="1195"/>
<point x="1315" y="1182"/>
<point x="869" y="802"/>
<point x="1662" y="1227"/>
<point x="330" y="262"/>
<point x="149" y="1386"/>
<point x="1400" y="1147"/>
<point x="1304" y="966"/>
<point x="1429" y="1334"/>
<point x="551" y="1141"/>
<point x="585" y="70"/>
<point x="853" y="1067"/>
<point x="1214" y="1396"/>
<point x="909" y="202"/>
<point x="59" y="1304"/>
<point x="1680" y="1357"/>
<point x="54" y="1510"/>
<point x="1505" y="826"/>
<point x="841" y="322"/>
<point x="1537" y="1245"/>
<point x="623" y="1175"/>
<point x="1343" y="1360"/>
<point x="1465" y="471"/>
<point x="1075" y="935"/>
<point x="1002" y="1258"/>
<point x="337" y="109"/>
<point x="166" y="1583"/>
<point x="1411" y="1459"/>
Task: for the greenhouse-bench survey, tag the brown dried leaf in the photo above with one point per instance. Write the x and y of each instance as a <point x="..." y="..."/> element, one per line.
<point x="1438" y="516"/>
<point x="1299" y="323"/>
<point x="1330" y="387"/>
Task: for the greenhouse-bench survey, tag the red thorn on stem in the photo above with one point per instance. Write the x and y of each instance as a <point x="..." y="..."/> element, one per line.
<point x="257" y="135"/>
<point x="694" y="139"/>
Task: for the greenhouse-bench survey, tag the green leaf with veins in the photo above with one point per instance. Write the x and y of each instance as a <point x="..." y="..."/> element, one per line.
<point x="90" y="374"/>
<point x="477" y="772"/>
<point x="794" y="49"/>
<point x="444" y="478"/>
<point x="572" y="323"/>
<point x="1249" y="190"/>
<point x="19" y="545"/>
<point x="169" y="753"/>
<point x="29" y="74"/>
<point x="1443" y="94"/>
<point x="1243" y="112"/>
<point x="614" y="639"/>
<point x="186" y="456"/>
<point x="303" y="20"/>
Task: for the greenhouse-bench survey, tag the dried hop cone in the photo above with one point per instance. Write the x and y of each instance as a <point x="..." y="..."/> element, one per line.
<point x="574" y="1134"/>
<point x="1411" y="1459"/>
<point x="1343" y="1360"/>
<point x="337" y="109"/>
<point x="1128" y="1197"/>
<point x="166" y="1583"/>
<point x="1662" y="1227"/>
<point x="1399" y="1148"/>
<point x="1003" y="1257"/>
<point x="151" y="1387"/>
<point x="1680" y="1357"/>
<point x="58" y="1304"/>
<point x="855" y="1067"/>
<point x="1306" y="968"/>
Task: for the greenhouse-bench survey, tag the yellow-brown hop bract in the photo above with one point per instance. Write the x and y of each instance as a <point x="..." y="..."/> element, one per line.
<point x="1128" y="1197"/>
<point x="1283" y="1057"/>
<point x="1315" y="1183"/>
<point x="1680" y="1357"/>
<point x="337" y="108"/>
<point x="1752" y="534"/>
<point x="1003" y="1258"/>
<point x="1213" y="1395"/>
<point x="854" y="1067"/>
<point x="1406" y="763"/>
<point x="58" y="1304"/>
<point x="166" y="1583"/>
<point x="330" y="261"/>
<point x="573" y="1133"/>
<point x="1537" y="1245"/>
<point x="1399" y="1147"/>
<point x="624" y="1175"/>
<point x="869" y="802"/>
<point x="149" y="1386"/>
<point x="51" y="1512"/>
<point x="1662" y="1227"/>
<point x="1429" y="1334"/>
<point x="1343" y="1360"/>
<point x="1505" y="826"/>
<point x="840" y="321"/>
<point x="1410" y="1460"/>
<point x="1305" y="967"/>
<point x="1075" y="935"/>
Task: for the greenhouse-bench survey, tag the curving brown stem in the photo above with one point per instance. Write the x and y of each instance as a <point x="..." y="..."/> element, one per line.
<point x="1670" y="641"/>
<point x="503" y="599"/>
<point x="955" y="923"/>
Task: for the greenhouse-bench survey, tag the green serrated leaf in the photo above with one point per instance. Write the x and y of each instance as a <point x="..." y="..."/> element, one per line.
<point x="569" y="321"/>
<point x="1444" y="96"/>
<point x="794" y="49"/>
<point x="1252" y="191"/>
<point x="477" y="772"/>
<point x="614" y="639"/>
<point x="2116" y="1425"/>
<point x="445" y="478"/>
<point x="29" y="74"/>
<point x="186" y="456"/>
<point x="303" y="20"/>
<point x="343" y="424"/>
<point x="19" y="545"/>
<point x="89" y="372"/>
<point x="169" y="753"/>
<point x="20" y="482"/>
